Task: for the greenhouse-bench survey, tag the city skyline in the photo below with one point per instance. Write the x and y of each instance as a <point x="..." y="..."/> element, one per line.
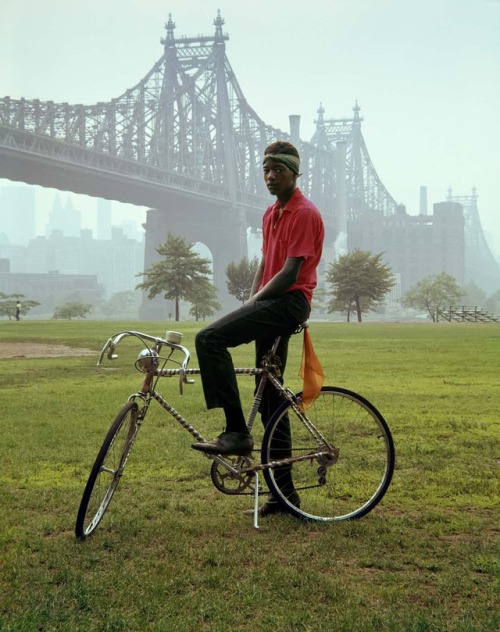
<point x="424" y="73"/>
<point x="87" y="208"/>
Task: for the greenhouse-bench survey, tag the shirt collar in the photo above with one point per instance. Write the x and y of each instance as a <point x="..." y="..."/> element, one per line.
<point x="290" y="205"/>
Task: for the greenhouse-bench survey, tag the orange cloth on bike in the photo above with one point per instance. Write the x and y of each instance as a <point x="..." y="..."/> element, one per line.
<point x="311" y="372"/>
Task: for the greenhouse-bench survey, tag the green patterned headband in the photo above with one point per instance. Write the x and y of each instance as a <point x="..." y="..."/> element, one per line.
<point x="292" y="162"/>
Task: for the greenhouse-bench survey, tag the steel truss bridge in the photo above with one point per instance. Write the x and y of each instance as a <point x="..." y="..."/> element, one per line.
<point x="185" y="142"/>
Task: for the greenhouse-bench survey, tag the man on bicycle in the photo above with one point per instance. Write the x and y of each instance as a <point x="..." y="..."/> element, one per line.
<point x="280" y="300"/>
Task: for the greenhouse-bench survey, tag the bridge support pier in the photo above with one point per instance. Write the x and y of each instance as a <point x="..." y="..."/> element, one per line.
<point x="221" y="228"/>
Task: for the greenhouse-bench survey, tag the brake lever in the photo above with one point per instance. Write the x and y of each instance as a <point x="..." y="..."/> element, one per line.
<point x="111" y="355"/>
<point x="108" y="349"/>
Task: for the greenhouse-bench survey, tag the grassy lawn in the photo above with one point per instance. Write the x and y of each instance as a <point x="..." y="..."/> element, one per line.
<point x="173" y="553"/>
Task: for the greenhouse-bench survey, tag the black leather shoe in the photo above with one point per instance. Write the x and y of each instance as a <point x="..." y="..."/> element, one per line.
<point x="237" y="443"/>
<point x="271" y="506"/>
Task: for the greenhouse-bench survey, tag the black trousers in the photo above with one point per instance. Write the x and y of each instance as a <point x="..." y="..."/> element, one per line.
<point x="261" y="322"/>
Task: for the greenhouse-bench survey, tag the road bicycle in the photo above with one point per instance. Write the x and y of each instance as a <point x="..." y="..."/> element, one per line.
<point x="337" y="454"/>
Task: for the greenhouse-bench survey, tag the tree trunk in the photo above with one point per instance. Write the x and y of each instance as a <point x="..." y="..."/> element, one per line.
<point x="176" y="310"/>
<point x="358" y="309"/>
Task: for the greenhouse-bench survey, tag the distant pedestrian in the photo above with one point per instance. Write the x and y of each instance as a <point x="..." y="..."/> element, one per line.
<point x="18" y="310"/>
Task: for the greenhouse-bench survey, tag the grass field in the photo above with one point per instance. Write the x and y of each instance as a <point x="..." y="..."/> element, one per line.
<point x="175" y="554"/>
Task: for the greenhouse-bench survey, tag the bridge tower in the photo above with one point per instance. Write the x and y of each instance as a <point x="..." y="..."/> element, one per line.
<point x="182" y="135"/>
<point x="481" y="267"/>
<point x="354" y="186"/>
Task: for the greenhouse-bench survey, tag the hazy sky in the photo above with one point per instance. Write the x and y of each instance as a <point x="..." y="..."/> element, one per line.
<point x="425" y="73"/>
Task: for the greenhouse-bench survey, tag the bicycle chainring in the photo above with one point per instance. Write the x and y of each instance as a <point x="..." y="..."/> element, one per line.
<point x="232" y="483"/>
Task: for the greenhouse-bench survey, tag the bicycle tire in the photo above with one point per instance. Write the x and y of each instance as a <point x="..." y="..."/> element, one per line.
<point x="107" y="470"/>
<point x="345" y="486"/>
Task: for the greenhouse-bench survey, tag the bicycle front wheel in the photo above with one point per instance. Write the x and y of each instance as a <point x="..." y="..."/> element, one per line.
<point x="107" y="470"/>
<point x="340" y="452"/>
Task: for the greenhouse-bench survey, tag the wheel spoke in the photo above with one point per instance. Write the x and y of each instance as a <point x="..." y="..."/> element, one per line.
<point x="107" y="471"/>
<point x="341" y="480"/>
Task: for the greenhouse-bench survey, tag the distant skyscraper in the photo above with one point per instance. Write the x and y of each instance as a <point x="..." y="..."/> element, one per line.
<point x="131" y="229"/>
<point x="17" y="214"/>
<point x="423" y="201"/>
<point x="67" y="219"/>
<point x="103" y="219"/>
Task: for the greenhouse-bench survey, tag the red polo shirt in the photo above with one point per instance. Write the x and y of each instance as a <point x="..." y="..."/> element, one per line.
<point x="298" y="233"/>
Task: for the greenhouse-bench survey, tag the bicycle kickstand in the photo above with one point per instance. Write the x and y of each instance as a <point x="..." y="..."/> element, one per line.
<point x="256" y="503"/>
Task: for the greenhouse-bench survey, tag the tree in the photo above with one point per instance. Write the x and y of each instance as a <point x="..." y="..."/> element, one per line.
<point x="178" y="274"/>
<point x="360" y="281"/>
<point x="71" y="310"/>
<point x="320" y="298"/>
<point x="203" y="300"/>
<point x="433" y="294"/>
<point x="121" y="304"/>
<point x="240" y="277"/>
<point x="8" y="304"/>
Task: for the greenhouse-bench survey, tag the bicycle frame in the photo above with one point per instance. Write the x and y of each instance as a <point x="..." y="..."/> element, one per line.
<point x="359" y="450"/>
<point x="269" y="372"/>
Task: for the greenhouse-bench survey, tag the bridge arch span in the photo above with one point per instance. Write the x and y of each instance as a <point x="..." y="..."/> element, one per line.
<point x="217" y="226"/>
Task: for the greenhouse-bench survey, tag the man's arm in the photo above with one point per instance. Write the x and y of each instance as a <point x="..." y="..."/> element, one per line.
<point x="280" y="282"/>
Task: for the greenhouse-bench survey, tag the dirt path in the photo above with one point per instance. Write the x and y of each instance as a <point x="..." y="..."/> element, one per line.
<point x="39" y="350"/>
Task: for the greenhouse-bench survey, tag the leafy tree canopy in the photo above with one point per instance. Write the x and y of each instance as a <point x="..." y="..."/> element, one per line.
<point x="8" y="304"/>
<point x="68" y="311"/>
<point x="240" y="277"/>
<point x="434" y="293"/>
<point x="120" y="304"/>
<point x="178" y="274"/>
<point x="360" y="281"/>
<point x="203" y="299"/>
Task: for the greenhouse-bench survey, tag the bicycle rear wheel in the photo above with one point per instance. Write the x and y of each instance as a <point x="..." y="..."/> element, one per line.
<point x="107" y="470"/>
<point x="348" y="455"/>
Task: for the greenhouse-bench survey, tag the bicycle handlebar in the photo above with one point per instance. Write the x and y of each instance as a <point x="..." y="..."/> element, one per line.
<point x="110" y="348"/>
<point x="111" y="345"/>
